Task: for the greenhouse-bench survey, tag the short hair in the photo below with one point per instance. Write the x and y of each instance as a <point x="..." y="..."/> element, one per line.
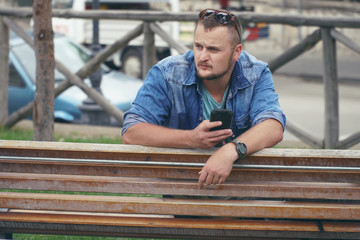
<point x="210" y="22"/>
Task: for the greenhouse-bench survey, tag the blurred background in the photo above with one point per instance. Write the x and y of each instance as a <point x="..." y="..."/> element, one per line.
<point x="299" y="83"/>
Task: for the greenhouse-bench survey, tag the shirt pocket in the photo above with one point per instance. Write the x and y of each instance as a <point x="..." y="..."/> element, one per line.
<point x="242" y="123"/>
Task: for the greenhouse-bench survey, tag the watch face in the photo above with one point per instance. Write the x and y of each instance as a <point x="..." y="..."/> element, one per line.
<point x="242" y="148"/>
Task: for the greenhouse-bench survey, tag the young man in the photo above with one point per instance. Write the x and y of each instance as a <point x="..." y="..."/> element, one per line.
<point x="173" y="106"/>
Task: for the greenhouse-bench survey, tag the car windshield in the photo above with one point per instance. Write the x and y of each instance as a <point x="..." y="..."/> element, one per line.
<point x="73" y="56"/>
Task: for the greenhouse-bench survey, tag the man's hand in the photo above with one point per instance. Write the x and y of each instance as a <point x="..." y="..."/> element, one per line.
<point x="218" y="166"/>
<point x="202" y="137"/>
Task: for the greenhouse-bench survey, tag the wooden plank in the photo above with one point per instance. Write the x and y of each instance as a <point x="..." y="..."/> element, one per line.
<point x="345" y="40"/>
<point x="149" y="51"/>
<point x="291" y="157"/>
<point x="304" y="136"/>
<point x="178" y="46"/>
<point x="78" y="223"/>
<point x="239" y="172"/>
<point x="161" y="16"/>
<point x="349" y="141"/>
<point x="91" y="224"/>
<point x="203" y="207"/>
<point x="140" y="221"/>
<point x="240" y="189"/>
<point x="306" y="44"/>
<point x="4" y="70"/>
<point x="331" y="90"/>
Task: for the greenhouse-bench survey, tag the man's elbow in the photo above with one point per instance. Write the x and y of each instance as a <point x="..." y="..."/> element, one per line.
<point x="277" y="133"/>
<point x="279" y="136"/>
<point x="127" y="138"/>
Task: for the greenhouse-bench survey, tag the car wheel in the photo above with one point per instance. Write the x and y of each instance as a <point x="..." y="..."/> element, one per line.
<point x="132" y="63"/>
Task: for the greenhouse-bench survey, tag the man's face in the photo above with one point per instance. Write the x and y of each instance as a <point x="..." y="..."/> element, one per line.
<point x="213" y="51"/>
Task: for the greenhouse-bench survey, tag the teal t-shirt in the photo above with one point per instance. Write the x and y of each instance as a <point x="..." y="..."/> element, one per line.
<point x="210" y="103"/>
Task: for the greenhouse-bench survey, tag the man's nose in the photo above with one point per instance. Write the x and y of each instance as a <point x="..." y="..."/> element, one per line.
<point x="204" y="55"/>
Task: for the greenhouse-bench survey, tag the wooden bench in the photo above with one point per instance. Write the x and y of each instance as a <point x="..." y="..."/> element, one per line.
<point x="273" y="194"/>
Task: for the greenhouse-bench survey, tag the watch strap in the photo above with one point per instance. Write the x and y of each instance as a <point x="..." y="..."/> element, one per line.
<point x="241" y="149"/>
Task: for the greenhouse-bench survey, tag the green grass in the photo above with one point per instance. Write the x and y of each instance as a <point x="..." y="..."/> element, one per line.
<point x="27" y="135"/>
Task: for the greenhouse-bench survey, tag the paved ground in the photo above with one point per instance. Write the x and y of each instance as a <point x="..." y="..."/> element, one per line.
<point x="303" y="103"/>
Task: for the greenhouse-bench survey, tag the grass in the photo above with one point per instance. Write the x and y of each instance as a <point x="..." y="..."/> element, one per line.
<point x="27" y="135"/>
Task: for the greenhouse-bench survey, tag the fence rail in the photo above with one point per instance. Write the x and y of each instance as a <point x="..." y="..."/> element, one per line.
<point x="326" y="32"/>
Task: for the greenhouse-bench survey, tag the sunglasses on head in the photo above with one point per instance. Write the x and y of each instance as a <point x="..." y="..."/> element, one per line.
<point x="222" y="17"/>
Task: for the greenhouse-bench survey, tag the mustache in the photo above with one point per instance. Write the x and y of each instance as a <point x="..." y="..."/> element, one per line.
<point x="204" y="64"/>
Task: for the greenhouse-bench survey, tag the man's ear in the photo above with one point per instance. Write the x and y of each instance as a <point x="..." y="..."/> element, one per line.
<point x="237" y="52"/>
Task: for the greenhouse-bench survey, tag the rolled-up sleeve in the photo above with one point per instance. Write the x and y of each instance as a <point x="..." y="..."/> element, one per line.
<point x="131" y="119"/>
<point x="152" y="104"/>
<point x="265" y="104"/>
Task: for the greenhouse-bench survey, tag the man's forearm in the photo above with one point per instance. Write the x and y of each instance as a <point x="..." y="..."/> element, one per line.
<point x="263" y="135"/>
<point x="156" y="136"/>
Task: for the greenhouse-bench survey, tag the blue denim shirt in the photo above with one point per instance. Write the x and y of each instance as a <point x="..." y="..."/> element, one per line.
<point x="171" y="95"/>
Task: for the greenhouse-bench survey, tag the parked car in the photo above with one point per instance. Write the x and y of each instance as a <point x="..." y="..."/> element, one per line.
<point x="117" y="87"/>
<point x="128" y="59"/>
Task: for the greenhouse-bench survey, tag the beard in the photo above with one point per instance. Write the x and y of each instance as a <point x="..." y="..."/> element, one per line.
<point x="218" y="75"/>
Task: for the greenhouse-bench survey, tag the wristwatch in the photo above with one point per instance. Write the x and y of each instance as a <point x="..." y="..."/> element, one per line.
<point x="240" y="149"/>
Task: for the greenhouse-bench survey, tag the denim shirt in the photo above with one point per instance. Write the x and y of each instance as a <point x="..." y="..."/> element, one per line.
<point x="171" y="95"/>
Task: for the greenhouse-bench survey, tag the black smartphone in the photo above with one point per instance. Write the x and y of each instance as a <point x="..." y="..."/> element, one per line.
<point x="223" y="115"/>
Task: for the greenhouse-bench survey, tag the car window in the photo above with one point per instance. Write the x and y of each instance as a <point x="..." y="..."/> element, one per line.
<point x="73" y="56"/>
<point x="26" y="56"/>
<point x="15" y="79"/>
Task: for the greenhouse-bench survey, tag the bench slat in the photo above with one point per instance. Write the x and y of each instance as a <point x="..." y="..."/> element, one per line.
<point x="245" y="189"/>
<point x="290" y="157"/>
<point x="175" y="172"/>
<point x="148" y="205"/>
<point x="94" y="224"/>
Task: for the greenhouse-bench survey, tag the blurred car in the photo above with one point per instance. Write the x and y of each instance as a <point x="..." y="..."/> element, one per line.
<point x="117" y="87"/>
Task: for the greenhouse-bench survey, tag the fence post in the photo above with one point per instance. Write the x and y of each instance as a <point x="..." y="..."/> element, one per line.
<point x="331" y="90"/>
<point x="4" y="70"/>
<point x="149" y="51"/>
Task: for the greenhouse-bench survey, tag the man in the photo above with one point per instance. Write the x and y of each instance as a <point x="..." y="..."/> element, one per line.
<point x="172" y="108"/>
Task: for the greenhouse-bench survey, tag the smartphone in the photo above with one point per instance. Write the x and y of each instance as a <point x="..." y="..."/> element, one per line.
<point x="223" y="115"/>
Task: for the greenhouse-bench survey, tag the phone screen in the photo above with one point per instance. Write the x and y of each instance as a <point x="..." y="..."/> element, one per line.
<point x="223" y="115"/>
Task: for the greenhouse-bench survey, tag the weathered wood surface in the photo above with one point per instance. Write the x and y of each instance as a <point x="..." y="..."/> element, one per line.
<point x="331" y="91"/>
<point x="345" y="40"/>
<point x="105" y="225"/>
<point x="178" y="46"/>
<point x="149" y="52"/>
<point x="4" y="70"/>
<point x="43" y="110"/>
<point x="274" y="193"/>
<point x="306" y="44"/>
<point x="175" y="186"/>
<point x="245" y="17"/>
<point x="187" y="207"/>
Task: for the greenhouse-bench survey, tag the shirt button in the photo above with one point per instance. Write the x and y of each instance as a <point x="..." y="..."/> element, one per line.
<point x="200" y="118"/>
